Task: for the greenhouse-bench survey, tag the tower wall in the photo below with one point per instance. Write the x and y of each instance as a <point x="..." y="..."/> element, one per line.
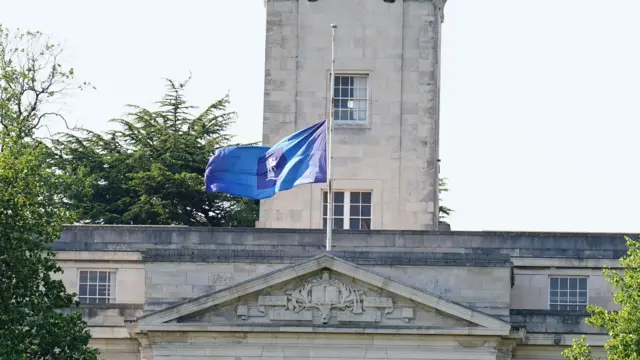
<point x="388" y="144"/>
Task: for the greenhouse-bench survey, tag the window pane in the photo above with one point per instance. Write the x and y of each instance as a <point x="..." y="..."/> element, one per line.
<point x="554" y="307"/>
<point x="338" y="210"/>
<point x="338" y="197"/>
<point x="93" y="290"/>
<point x="365" y="210"/>
<point x="338" y="223"/>
<point x="102" y="290"/>
<point x="324" y="223"/>
<point x="366" y="198"/>
<point x="93" y="276"/>
<point x="554" y="284"/>
<point x="573" y="284"/>
<point x="355" y="197"/>
<point x="83" y="291"/>
<point x="582" y="283"/>
<point x="365" y="224"/>
<point x="337" y="115"/>
<point x="102" y="277"/>
<point x="360" y="115"/>
<point x="582" y="297"/>
<point x="354" y="210"/>
<point x="553" y="296"/>
<point x="360" y="82"/>
<point x="324" y="197"/>
<point x="324" y="210"/>
<point x="563" y="297"/>
<point x="360" y="104"/>
<point x="354" y="224"/>
<point x="564" y="283"/>
<point x="83" y="277"/>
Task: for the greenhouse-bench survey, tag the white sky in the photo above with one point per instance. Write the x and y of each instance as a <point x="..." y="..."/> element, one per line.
<point x="539" y="113"/>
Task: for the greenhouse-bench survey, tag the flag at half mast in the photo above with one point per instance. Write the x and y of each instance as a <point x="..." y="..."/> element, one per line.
<point x="259" y="172"/>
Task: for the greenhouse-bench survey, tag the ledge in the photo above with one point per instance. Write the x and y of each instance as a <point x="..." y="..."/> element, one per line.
<point x="553" y="321"/>
<point x="305" y="243"/>
<point x="339" y="329"/>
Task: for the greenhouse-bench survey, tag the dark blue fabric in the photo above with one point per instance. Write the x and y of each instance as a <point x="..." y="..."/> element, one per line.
<point x="259" y="172"/>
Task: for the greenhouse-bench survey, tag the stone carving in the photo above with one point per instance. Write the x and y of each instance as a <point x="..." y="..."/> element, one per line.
<point x="242" y="311"/>
<point x="271" y="301"/>
<point x="324" y="294"/>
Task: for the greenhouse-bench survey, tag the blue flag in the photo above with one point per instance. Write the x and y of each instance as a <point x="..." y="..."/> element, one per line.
<point x="258" y="172"/>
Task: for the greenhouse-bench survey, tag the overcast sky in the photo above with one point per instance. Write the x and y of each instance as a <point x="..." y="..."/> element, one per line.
<point x="540" y="99"/>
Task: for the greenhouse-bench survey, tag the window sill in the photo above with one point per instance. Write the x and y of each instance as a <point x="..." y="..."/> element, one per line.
<point x="351" y="125"/>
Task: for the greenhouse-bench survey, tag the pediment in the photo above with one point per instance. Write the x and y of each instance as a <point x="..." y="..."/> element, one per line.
<point x="324" y="292"/>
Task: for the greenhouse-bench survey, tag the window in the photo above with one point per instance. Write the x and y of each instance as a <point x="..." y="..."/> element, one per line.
<point x="351" y="210"/>
<point x="351" y="98"/>
<point x="567" y="293"/>
<point x="97" y="286"/>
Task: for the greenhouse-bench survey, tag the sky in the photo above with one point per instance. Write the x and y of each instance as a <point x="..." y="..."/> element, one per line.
<point x="540" y="99"/>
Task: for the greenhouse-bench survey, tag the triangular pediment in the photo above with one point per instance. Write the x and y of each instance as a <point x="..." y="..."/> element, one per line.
<point x="325" y="292"/>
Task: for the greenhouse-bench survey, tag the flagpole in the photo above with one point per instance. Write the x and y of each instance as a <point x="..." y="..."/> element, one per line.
<point x="329" y="141"/>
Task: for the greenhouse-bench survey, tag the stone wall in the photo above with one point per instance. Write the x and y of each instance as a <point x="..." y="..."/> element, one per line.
<point x="175" y="243"/>
<point x="394" y="154"/>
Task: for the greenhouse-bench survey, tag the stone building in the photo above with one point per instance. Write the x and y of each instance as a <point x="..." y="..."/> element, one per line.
<point x="209" y="293"/>
<point x="394" y="286"/>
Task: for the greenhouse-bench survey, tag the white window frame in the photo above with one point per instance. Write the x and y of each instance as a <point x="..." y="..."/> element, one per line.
<point x="113" y="288"/>
<point x="549" y="304"/>
<point x="367" y="99"/>
<point x="347" y="208"/>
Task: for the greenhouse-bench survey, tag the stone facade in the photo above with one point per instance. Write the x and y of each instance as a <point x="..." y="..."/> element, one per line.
<point x="191" y="293"/>
<point x="394" y="152"/>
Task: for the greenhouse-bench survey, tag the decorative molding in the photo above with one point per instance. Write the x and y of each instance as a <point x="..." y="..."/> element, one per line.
<point x="484" y="323"/>
<point x="324" y="294"/>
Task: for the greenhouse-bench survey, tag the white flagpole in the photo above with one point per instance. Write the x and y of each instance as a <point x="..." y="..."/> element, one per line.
<point x="329" y="141"/>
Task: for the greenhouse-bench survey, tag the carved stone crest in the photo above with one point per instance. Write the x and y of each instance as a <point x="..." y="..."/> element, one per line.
<point x="325" y="294"/>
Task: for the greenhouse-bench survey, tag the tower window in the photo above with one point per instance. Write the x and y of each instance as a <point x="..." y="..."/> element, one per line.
<point x="351" y="93"/>
<point x="351" y="210"/>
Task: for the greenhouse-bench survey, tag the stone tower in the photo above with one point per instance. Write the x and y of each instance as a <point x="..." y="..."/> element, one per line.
<point x="385" y="143"/>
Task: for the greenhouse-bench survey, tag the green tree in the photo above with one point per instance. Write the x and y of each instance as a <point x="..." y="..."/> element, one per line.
<point x="150" y="171"/>
<point x="623" y="326"/>
<point x="442" y="188"/>
<point x="33" y="324"/>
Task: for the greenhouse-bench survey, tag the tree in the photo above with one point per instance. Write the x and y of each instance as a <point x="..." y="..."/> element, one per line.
<point x="32" y="323"/>
<point x="31" y="77"/>
<point x="442" y="188"/>
<point x="150" y="171"/>
<point x="623" y="326"/>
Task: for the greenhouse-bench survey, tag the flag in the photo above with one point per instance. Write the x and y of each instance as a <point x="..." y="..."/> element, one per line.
<point x="259" y="172"/>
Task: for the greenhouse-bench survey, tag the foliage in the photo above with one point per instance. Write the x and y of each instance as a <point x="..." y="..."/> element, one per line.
<point x="31" y="77"/>
<point x="151" y="170"/>
<point x="442" y="188"/>
<point x="33" y="324"/>
<point x="623" y="326"/>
